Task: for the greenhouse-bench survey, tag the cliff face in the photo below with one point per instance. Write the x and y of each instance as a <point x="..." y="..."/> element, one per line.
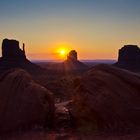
<point x="129" y="58"/>
<point x="15" y="57"/>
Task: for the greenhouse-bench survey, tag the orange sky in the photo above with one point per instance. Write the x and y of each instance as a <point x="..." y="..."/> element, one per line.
<point x="95" y="29"/>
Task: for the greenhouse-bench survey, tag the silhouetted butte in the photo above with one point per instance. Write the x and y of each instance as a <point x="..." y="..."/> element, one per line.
<point x="72" y="62"/>
<point x="15" y="57"/>
<point x="129" y="58"/>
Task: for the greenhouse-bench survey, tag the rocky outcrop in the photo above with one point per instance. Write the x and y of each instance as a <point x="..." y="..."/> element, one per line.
<point x="107" y="98"/>
<point x="72" y="56"/>
<point x="72" y="62"/>
<point x="12" y="51"/>
<point x="129" y="58"/>
<point x="14" y="57"/>
<point x="23" y="103"/>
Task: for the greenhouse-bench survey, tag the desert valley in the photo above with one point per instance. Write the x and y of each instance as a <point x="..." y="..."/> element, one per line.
<point x="69" y="100"/>
<point x="70" y="70"/>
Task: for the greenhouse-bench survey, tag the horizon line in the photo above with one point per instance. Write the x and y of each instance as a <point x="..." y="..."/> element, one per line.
<point x="53" y="60"/>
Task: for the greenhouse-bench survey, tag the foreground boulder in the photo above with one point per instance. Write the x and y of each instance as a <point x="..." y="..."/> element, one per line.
<point x="107" y="98"/>
<point x="129" y="58"/>
<point x="23" y="103"/>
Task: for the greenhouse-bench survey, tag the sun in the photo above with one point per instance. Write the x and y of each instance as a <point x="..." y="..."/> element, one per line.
<point x="62" y="52"/>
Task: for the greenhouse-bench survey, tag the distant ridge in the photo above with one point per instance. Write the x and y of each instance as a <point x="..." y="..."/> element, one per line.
<point x="82" y="60"/>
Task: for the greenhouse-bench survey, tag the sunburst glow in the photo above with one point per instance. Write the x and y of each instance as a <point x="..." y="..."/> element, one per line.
<point x="62" y="52"/>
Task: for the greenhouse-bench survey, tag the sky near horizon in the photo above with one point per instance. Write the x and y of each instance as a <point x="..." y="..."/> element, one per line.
<point x="95" y="28"/>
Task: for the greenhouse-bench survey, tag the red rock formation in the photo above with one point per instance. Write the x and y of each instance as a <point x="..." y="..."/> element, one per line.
<point x="14" y="57"/>
<point x="23" y="103"/>
<point x="72" y="62"/>
<point x="129" y="58"/>
<point x="107" y="97"/>
<point x="72" y="56"/>
<point x="12" y="51"/>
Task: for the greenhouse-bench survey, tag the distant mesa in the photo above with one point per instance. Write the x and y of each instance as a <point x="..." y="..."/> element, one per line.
<point x="129" y="58"/>
<point x="15" y="57"/>
<point x="72" y="62"/>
